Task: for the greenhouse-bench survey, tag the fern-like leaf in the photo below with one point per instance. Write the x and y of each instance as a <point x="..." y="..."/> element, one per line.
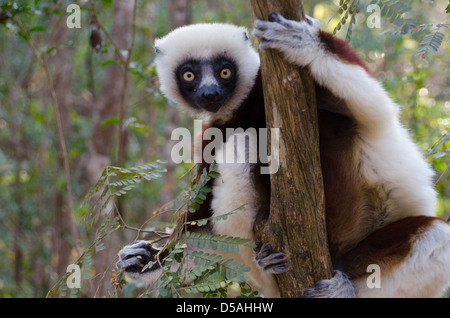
<point x="347" y="11"/>
<point x="226" y="244"/>
<point x="432" y="41"/>
<point x="125" y="180"/>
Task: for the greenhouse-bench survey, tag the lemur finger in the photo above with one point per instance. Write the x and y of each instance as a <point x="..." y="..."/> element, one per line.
<point x="141" y="247"/>
<point x="339" y="286"/>
<point x="273" y="260"/>
<point x="265" y="250"/>
<point x="258" y="246"/>
<point x="265" y="29"/>
<point x="276" y="268"/>
<point x="127" y="253"/>
<point x="278" y="18"/>
<point x="124" y="264"/>
<point x="312" y="21"/>
<point x="266" y="44"/>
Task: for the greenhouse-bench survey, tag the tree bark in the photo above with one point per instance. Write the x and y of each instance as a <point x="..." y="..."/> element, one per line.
<point x="109" y="100"/>
<point x="296" y="223"/>
<point x="60" y="68"/>
<point x="110" y="103"/>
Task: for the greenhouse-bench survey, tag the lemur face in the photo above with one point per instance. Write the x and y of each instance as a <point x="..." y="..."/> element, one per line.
<point x="207" y="84"/>
<point x="207" y="69"/>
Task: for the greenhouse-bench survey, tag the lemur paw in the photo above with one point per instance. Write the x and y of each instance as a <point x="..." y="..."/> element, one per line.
<point x="298" y="40"/>
<point x="339" y="286"/>
<point x="269" y="260"/>
<point x="134" y="257"/>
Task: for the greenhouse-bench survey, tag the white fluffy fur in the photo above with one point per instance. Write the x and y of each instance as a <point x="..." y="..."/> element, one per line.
<point x="231" y="190"/>
<point x="203" y="41"/>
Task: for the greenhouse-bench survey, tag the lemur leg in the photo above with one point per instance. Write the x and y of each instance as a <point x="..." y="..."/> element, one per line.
<point x="235" y="188"/>
<point x="333" y="64"/>
<point x="408" y="258"/>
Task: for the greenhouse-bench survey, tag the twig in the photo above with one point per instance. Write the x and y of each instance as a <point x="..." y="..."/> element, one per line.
<point x="116" y="47"/>
<point x="120" y="139"/>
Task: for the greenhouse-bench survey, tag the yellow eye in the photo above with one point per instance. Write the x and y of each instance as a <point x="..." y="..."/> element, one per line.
<point x="188" y="76"/>
<point x="225" y="73"/>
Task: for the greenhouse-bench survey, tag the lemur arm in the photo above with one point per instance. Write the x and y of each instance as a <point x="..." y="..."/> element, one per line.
<point x="333" y="64"/>
<point x="411" y="250"/>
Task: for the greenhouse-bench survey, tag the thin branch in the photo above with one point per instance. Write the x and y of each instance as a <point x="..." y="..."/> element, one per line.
<point x="120" y="140"/>
<point x="116" y="47"/>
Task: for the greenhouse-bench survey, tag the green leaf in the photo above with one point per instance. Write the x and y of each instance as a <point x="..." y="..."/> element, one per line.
<point x="112" y="120"/>
<point x="140" y="128"/>
<point x="38" y="28"/>
<point x="195" y="205"/>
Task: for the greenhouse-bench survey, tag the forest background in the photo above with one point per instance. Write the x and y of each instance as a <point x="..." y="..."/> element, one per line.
<point x="64" y="93"/>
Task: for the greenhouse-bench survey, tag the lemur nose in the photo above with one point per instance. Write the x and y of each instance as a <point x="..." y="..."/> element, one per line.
<point x="210" y="94"/>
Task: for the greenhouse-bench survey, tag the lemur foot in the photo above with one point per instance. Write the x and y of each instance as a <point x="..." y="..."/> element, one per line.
<point x="269" y="260"/>
<point x="339" y="286"/>
<point x="298" y="40"/>
<point x="134" y="257"/>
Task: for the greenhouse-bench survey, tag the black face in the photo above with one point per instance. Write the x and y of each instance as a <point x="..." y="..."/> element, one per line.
<point x="207" y="84"/>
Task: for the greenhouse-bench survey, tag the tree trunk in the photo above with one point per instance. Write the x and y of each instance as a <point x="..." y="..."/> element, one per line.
<point x="108" y="106"/>
<point x="296" y="224"/>
<point x="110" y="103"/>
<point x="65" y="235"/>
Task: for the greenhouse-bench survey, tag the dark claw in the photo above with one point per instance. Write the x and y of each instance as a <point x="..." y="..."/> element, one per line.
<point x="274" y="17"/>
<point x="258" y="244"/>
<point x="264" y="251"/>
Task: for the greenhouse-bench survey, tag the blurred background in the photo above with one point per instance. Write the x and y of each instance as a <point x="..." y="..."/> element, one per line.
<point x="64" y="93"/>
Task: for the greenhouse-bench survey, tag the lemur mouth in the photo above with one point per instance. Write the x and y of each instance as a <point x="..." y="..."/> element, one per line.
<point x="212" y="107"/>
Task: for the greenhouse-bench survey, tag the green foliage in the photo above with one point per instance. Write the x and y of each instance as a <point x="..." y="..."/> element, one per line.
<point x="432" y="41"/>
<point x="208" y="274"/>
<point x="438" y="149"/>
<point x="347" y="10"/>
<point x="125" y="180"/>
<point x="101" y="208"/>
<point x="226" y="244"/>
<point x="392" y="11"/>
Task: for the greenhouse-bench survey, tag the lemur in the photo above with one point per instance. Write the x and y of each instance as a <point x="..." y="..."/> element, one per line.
<point x="379" y="192"/>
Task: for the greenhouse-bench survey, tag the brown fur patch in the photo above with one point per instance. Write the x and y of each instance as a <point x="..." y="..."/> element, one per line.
<point x="386" y="247"/>
<point x="343" y="192"/>
<point x="342" y="49"/>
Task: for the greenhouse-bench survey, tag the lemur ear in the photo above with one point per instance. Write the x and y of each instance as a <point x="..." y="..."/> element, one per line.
<point x="157" y="50"/>
<point x="245" y="36"/>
